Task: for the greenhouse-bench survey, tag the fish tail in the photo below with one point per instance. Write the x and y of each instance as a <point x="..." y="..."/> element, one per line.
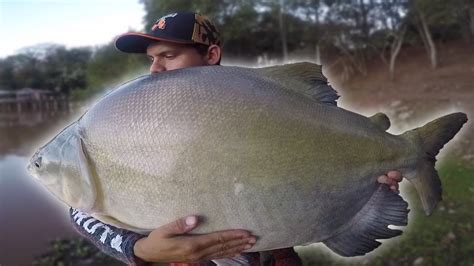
<point x="433" y="136"/>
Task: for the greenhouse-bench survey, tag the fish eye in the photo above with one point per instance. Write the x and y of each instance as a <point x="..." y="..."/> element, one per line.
<point x="38" y="162"/>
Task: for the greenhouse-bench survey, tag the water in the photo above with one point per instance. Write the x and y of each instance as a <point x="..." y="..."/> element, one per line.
<point x="30" y="216"/>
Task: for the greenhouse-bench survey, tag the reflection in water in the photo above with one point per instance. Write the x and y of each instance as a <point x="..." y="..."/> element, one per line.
<point x="25" y="119"/>
<point x="30" y="216"/>
<point x="23" y="133"/>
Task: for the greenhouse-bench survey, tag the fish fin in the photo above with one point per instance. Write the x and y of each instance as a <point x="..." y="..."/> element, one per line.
<point x="432" y="136"/>
<point x="79" y="193"/>
<point x="304" y="78"/>
<point x="381" y="120"/>
<point x="88" y="191"/>
<point x="384" y="208"/>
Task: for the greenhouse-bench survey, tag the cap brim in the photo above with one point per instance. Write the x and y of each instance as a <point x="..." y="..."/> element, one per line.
<point x="134" y="42"/>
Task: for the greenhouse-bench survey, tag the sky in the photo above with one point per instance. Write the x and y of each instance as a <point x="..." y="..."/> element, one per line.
<point x="73" y="23"/>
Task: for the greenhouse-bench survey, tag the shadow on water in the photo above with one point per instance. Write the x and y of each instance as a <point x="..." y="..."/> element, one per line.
<point x="30" y="217"/>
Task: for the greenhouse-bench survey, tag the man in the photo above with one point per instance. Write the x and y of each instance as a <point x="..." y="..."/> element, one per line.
<point x="181" y="40"/>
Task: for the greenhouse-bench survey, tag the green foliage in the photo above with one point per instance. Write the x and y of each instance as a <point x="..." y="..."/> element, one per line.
<point x="108" y="66"/>
<point x="445" y="18"/>
<point x="353" y="30"/>
<point x="7" y="75"/>
<point x="78" y="72"/>
<point x="444" y="238"/>
<point x="49" y="67"/>
<point x="71" y="252"/>
<point x="64" y="69"/>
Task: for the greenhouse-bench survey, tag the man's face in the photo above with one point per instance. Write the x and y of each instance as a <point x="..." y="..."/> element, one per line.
<point x="166" y="56"/>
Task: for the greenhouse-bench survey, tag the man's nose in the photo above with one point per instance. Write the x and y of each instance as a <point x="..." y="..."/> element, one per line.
<point x="156" y="67"/>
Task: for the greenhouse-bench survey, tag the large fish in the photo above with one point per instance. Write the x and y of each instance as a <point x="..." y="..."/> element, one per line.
<point x="263" y="149"/>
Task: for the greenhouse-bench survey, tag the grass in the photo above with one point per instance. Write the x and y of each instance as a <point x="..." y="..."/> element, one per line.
<point x="444" y="238"/>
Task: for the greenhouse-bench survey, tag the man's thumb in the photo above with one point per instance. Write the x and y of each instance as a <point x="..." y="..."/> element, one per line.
<point x="180" y="226"/>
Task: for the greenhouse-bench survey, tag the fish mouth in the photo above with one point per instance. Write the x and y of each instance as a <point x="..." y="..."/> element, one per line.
<point x="29" y="168"/>
<point x="46" y="182"/>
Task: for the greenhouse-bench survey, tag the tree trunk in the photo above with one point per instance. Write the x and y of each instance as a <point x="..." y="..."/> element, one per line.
<point x="423" y="37"/>
<point x="318" y="55"/>
<point x="395" y="49"/>
<point x="317" y="32"/>
<point x="471" y="20"/>
<point x="364" y="26"/>
<point x="429" y="40"/>
<point x="284" y="46"/>
<point x="356" y="62"/>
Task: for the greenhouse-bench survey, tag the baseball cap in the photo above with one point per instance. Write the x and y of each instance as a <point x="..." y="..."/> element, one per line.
<point x="177" y="27"/>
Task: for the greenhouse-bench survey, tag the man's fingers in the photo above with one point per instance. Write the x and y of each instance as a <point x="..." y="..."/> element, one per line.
<point x="221" y="237"/>
<point x="383" y="179"/>
<point x="394" y="188"/>
<point x="229" y="252"/>
<point x="229" y="248"/>
<point x="393" y="184"/>
<point x="199" y="247"/>
<point x="395" y="175"/>
<point x="175" y="245"/>
<point x="178" y="227"/>
<point x="196" y="247"/>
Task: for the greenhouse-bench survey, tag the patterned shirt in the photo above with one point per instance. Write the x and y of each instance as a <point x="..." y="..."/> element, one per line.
<point x="111" y="240"/>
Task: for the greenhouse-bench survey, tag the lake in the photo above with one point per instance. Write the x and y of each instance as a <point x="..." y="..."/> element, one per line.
<point x="30" y="217"/>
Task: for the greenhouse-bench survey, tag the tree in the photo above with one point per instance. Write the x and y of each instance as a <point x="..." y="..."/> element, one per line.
<point x="433" y="18"/>
<point x="50" y="67"/>
<point x="7" y="75"/>
<point x="352" y="22"/>
<point x="394" y="27"/>
<point x="249" y="28"/>
<point x="421" y="23"/>
<point x="108" y="65"/>
<point x="65" y="70"/>
<point x="314" y="9"/>
<point x="281" y="24"/>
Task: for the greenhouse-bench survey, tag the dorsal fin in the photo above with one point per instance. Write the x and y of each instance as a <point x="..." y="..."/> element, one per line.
<point x="304" y="78"/>
<point x="381" y="120"/>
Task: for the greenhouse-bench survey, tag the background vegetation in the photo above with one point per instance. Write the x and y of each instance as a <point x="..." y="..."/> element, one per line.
<point x="346" y="33"/>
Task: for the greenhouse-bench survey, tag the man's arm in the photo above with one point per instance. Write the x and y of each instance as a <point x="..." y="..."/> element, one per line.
<point x="113" y="241"/>
<point x="167" y="243"/>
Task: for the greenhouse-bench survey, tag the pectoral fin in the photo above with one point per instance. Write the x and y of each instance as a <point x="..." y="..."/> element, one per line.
<point x="371" y="223"/>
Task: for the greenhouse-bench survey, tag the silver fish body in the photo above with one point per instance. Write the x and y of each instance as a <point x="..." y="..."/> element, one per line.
<point x="240" y="148"/>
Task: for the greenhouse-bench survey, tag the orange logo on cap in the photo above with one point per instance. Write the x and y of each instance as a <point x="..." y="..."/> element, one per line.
<point x="160" y="24"/>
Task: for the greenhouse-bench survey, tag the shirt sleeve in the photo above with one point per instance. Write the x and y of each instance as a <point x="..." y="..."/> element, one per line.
<point x="111" y="240"/>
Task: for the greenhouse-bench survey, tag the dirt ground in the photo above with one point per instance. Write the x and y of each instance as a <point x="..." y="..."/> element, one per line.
<point x="418" y="93"/>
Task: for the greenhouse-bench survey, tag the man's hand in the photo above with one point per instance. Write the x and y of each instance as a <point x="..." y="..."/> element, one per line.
<point x="391" y="179"/>
<point x="169" y="243"/>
